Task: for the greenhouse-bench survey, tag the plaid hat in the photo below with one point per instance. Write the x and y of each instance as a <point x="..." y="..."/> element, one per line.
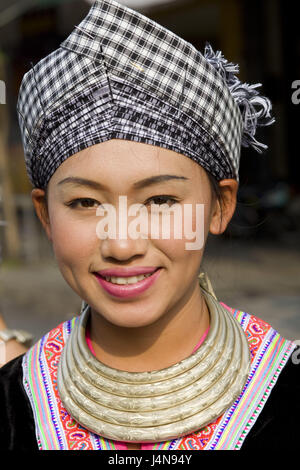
<point x="120" y="75"/>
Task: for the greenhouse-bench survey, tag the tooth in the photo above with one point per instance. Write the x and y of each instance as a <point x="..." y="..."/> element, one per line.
<point x="127" y="280"/>
<point x="118" y="280"/>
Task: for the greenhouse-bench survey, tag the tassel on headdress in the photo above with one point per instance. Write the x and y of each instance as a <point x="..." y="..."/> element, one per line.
<point x="255" y="109"/>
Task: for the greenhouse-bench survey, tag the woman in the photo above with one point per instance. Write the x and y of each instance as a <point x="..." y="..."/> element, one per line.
<point x="126" y="113"/>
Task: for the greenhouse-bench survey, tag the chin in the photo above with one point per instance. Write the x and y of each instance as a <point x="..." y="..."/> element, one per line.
<point x="132" y="321"/>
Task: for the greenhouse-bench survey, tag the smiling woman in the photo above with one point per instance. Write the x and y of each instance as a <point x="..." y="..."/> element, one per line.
<point x="153" y="360"/>
<point x="80" y="254"/>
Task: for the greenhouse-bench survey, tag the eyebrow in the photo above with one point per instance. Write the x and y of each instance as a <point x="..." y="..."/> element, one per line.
<point x="138" y="185"/>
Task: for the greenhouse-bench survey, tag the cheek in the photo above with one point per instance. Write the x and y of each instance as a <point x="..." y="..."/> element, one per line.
<point x="73" y="241"/>
<point x="191" y="230"/>
<point x="182" y="260"/>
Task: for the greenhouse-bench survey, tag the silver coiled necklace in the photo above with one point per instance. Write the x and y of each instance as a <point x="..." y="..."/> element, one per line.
<point x="159" y="405"/>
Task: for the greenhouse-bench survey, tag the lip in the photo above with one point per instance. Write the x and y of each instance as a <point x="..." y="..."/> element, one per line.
<point x="129" y="290"/>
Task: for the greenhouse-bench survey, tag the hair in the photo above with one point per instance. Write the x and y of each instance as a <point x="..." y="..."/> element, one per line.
<point x="46" y="194"/>
<point x="216" y="192"/>
<point x="215" y="188"/>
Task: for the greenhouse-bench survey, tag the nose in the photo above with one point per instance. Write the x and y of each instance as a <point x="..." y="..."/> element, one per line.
<point x="123" y="241"/>
<point x="123" y="250"/>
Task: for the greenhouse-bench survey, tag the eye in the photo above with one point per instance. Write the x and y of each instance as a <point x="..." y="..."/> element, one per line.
<point x="159" y="200"/>
<point x="83" y="203"/>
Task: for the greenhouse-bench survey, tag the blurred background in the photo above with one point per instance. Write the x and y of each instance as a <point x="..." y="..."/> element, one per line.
<point x="255" y="266"/>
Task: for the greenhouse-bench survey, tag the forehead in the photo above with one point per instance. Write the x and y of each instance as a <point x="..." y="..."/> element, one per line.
<point x="126" y="162"/>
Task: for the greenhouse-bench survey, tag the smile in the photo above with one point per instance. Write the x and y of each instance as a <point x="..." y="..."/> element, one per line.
<point x="126" y="280"/>
<point x="129" y="286"/>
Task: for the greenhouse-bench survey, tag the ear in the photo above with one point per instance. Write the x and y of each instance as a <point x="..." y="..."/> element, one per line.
<point x="224" y="207"/>
<point x="38" y="197"/>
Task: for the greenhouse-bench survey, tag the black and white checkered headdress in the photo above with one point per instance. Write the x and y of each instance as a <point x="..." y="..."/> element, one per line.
<point x="120" y="75"/>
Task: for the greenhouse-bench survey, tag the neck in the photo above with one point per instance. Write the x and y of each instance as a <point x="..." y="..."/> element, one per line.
<point x="169" y="340"/>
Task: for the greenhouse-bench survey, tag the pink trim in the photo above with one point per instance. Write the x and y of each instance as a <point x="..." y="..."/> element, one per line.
<point x="89" y="341"/>
<point x="144" y="445"/>
<point x="121" y="445"/>
<point x="226" y="306"/>
<point x="201" y="340"/>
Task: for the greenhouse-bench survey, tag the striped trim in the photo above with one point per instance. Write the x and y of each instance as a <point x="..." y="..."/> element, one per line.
<point x="106" y="444"/>
<point x="161" y="445"/>
<point x="33" y="377"/>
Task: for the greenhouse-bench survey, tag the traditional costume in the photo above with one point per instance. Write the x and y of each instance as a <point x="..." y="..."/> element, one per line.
<point x="39" y="406"/>
<point x="120" y="75"/>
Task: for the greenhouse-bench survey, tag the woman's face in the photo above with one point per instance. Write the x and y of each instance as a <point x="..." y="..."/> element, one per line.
<point x="100" y="174"/>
